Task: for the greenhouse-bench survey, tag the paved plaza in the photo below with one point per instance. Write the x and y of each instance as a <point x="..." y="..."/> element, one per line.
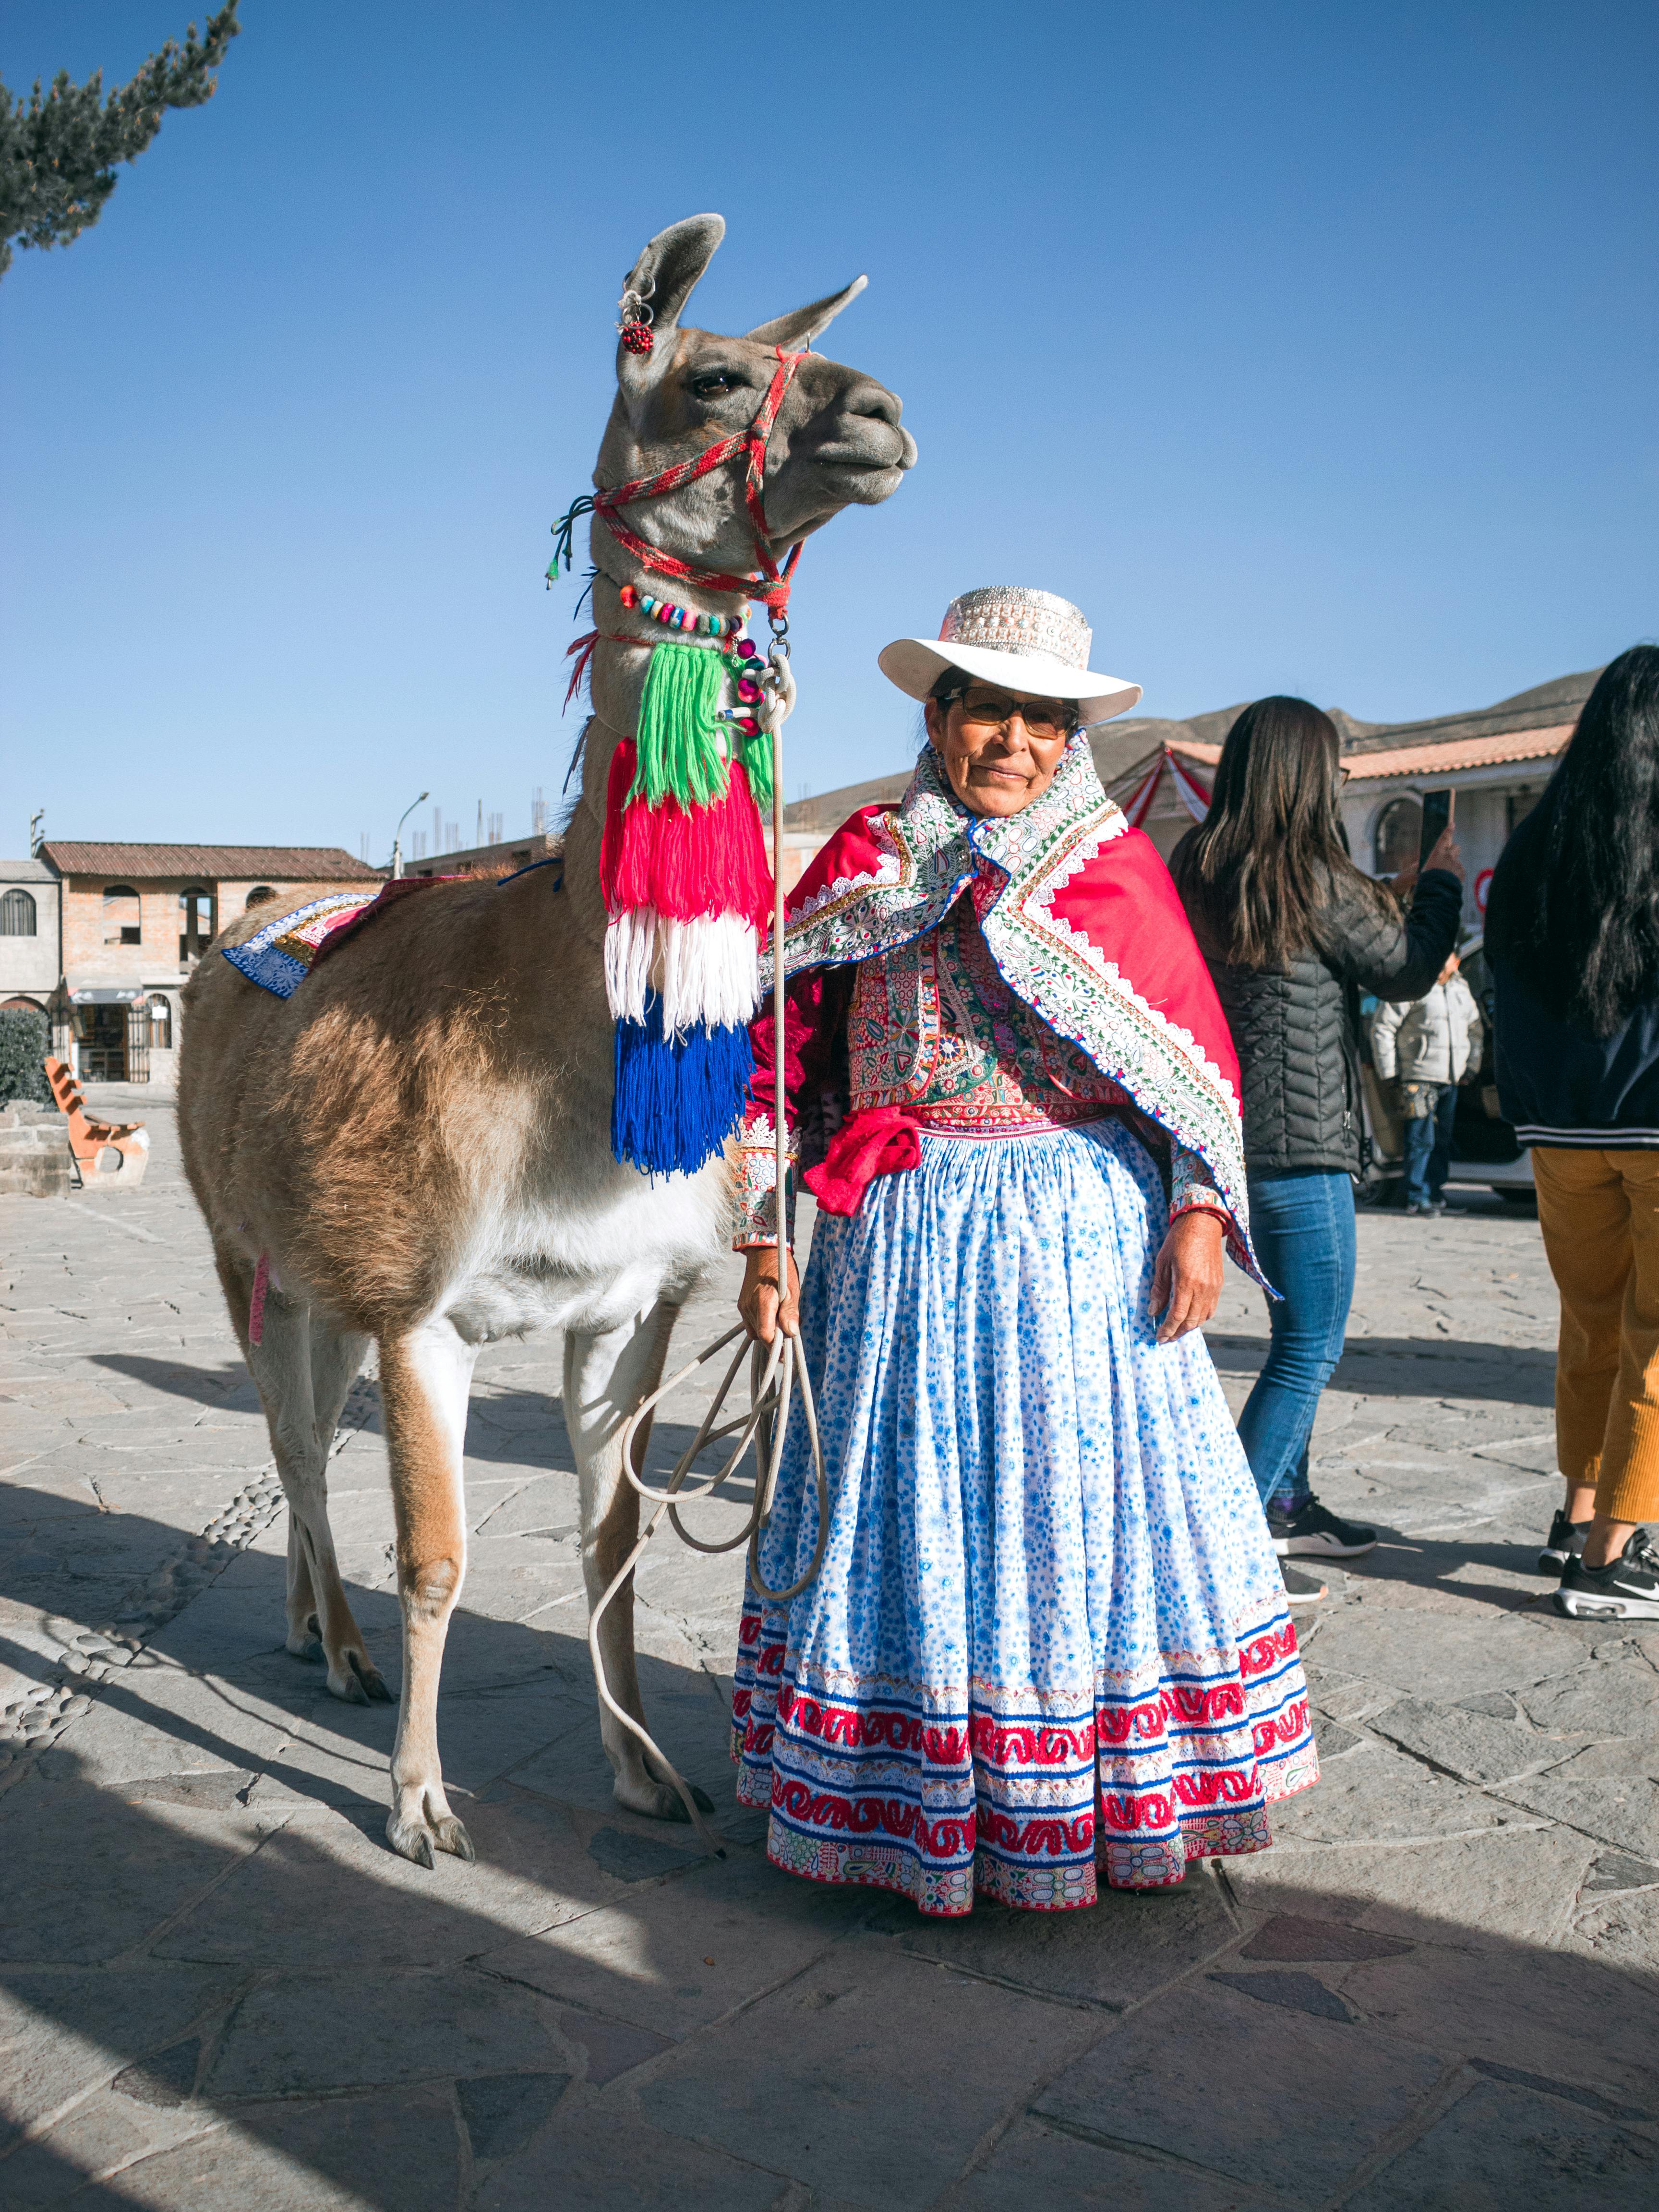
<point x="221" y="1990"/>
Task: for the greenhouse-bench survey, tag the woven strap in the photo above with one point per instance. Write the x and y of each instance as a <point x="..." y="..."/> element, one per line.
<point x="771" y="587"/>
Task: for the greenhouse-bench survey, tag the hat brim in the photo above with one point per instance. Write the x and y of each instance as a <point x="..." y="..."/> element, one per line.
<point x="916" y="665"/>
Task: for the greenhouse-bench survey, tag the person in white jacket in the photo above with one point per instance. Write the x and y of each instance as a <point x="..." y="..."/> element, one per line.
<point x="1427" y="1048"/>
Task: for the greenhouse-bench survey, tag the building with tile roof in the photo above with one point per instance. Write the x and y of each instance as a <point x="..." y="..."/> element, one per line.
<point x="135" y="920"/>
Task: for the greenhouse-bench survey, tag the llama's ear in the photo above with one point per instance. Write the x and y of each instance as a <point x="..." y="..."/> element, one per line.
<point x="666" y="271"/>
<point x="804" y="325"/>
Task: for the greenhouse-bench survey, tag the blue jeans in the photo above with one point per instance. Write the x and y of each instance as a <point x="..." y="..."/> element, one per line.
<point x="1303" y="1229"/>
<point x="1428" y="1149"/>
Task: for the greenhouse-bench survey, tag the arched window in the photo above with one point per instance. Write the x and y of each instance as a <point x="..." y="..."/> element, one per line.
<point x="17" y="915"/>
<point x="259" y="895"/>
<point x="196" y="923"/>
<point x="122" y="916"/>
<point x="1395" y="838"/>
<point x="160" y="1011"/>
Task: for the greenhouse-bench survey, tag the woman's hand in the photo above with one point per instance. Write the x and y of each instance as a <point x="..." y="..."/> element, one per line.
<point x="1446" y="853"/>
<point x="758" y="1306"/>
<point x="1187" y="1279"/>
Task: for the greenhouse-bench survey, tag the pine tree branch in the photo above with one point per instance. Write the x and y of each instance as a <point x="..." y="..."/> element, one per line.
<point x="59" y="152"/>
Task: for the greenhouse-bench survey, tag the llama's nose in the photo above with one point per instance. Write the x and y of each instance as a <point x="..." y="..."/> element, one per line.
<point x="875" y="400"/>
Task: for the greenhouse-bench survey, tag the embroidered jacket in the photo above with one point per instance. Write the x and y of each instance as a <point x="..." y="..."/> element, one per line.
<point x="1070" y="916"/>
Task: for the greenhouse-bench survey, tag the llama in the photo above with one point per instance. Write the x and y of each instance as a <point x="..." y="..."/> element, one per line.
<point x="417" y="1142"/>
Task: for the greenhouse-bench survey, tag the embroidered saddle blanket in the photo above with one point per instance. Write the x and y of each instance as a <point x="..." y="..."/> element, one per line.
<point x="279" y="957"/>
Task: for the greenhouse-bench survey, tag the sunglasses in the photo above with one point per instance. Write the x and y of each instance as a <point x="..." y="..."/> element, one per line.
<point x="991" y="710"/>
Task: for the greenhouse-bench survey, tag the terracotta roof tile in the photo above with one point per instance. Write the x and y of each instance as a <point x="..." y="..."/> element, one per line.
<point x="275" y="864"/>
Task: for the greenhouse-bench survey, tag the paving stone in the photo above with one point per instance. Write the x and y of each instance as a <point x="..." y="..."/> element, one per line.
<point x="309" y="2033"/>
<point x="1557" y="2014"/>
<point x="1517" y="1882"/>
<point x="340" y="2154"/>
<point x="1291" y="1992"/>
<point x="1624" y="1812"/>
<point x="1378" y="1792"/>
<point x="1204" y="2075"/>
<point x="95" y="2141"/>
<point x="1616" y="1870"/>
<point x="1468" y="1745"/>
<point x="844" y="2022"/>
<point x="1622" y="1930"/>
<point x="677" y="1956"/>
<point x="1291" y="1935"/>
<point x="502" y="2111"/>
<point x="63" y="2031"/>
<point x="591" y="2160"/>
<point x="1619" y="1697"/>
<point x="1035" y="2168"/>
<point x="1461" y="1657"/>
<point x="131" y="1869"/>
<point x="1112" y="1953"/>
<point x="1501" y="2146"/>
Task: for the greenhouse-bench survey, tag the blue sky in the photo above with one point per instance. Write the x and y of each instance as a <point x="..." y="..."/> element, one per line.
<point x="1307" y="349"/>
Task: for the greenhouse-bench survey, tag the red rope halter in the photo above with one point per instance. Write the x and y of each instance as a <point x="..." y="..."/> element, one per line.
<point x="771" y="587"/>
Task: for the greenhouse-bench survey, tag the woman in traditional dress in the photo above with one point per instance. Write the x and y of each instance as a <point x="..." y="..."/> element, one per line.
<point x="1050" y="1633"/>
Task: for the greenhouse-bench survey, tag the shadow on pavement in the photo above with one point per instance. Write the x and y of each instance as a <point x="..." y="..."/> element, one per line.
<point x="222" y="1988"/>
<point x="1416" y="1367"/>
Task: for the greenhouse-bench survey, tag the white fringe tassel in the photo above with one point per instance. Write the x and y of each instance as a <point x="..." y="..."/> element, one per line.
<point x="706" y="970"/>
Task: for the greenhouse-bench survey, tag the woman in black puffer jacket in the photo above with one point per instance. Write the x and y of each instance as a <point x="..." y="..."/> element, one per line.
<point x="1293" y="933"/>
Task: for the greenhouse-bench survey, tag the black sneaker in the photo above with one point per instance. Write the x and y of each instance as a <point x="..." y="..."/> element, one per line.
<point x="1627" y="1589"/>
<point x="1314" y="1533"/>
<point x="1300" y="1588"/>
<point x="1565" y="1541"/>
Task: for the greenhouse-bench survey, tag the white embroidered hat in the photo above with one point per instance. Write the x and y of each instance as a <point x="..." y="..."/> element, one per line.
<point x="1031" y="641"/>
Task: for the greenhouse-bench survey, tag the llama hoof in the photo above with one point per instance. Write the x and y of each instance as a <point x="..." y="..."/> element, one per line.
<point x="451" y="1836"/>
<point x="373" y="1681"/>
<point x="410" y="1840"/>
<point x="346" y="1686"/>
<point x="419" y="1840"/>
<point x="304" y="1646"/>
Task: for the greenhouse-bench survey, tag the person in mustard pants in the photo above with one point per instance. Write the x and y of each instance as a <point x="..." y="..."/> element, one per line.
<point x="1572" y="932"/>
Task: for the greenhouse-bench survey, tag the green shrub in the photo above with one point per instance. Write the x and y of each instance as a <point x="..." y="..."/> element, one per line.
<point x="25" y="1041"/>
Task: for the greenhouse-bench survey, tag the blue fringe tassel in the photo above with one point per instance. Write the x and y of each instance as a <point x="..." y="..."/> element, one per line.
<point x="678" y="1099"/>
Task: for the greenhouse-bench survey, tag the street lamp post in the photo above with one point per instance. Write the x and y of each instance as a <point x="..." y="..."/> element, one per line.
<point x="397" y="834"/>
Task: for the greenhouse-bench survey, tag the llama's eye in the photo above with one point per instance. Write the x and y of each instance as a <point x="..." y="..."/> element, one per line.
<point x="713" y="385"/>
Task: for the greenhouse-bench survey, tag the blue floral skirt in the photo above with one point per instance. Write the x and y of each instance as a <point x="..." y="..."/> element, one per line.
<point x="1049" y="1636"/>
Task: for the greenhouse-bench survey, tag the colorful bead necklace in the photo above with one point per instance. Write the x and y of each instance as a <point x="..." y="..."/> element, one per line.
<point x="674" y="617"/>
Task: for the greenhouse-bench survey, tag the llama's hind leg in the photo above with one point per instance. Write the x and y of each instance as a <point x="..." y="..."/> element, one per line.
<point x="425" y="1378"/>
<point x="303" y="1368"/>
<point x="605" y="1377"/>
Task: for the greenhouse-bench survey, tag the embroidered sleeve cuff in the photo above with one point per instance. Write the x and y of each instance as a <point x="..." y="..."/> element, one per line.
<point x="1191" y="1190"/>
<point x="754" y="1195"/>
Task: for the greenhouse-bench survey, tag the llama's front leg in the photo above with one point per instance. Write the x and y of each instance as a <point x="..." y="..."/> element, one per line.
<point x="424" y="1381"/>
<point x="605" y="1377"/>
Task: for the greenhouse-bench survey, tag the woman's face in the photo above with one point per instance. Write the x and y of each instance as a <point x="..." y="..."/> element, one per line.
<point x="997" y="763"/>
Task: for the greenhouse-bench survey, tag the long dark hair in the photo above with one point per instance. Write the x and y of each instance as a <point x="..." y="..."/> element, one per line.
<point x="1576" y="894"/>
<point x="1271" y="851"/>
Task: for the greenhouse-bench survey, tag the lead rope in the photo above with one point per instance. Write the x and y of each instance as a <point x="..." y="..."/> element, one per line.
<point x="774" y="1372"/>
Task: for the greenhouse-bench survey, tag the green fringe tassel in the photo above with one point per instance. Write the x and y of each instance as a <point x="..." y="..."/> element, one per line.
<point x="758" y="760"/>
<point x="677" y="739"/>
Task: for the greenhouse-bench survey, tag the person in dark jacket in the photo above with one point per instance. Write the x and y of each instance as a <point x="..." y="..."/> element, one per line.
<point x="1572" y="933"/>
<point x="1293" y="933"/>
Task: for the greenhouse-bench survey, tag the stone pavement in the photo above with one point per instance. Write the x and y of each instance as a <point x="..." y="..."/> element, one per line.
<point x="221" y="1990"/>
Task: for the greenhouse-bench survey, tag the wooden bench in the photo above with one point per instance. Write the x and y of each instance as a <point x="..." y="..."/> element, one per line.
<point x="99" y="1148"/>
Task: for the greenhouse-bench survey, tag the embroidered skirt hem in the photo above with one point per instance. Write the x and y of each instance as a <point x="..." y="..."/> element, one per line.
<point x="1049" y="1641"/>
